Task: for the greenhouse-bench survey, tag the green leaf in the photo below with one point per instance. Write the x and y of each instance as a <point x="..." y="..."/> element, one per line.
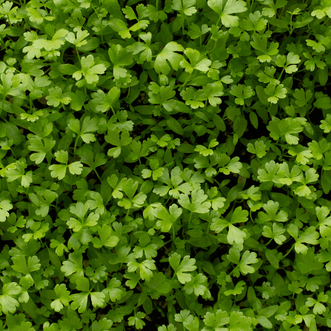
<point x="107" y="239"/>
<point x="197" y="62"/>
<point x="276" y="233"/>
<point x="167" y="218"/>
<point x="182" y="268"/>
<point x="198" y="286"/>
<point x="85" y="128"/>
<point x="63" y="297"/>
<point x="322" y="11"/>
<point x="224" y="8"/>
<point x="309" y="236"/>
<point x="287" y="128"/>
<point x="326" y="124"/>
<point x="255" y="22"/>
<point x="97" y="299"/>
<point x="324" y="221"/>
<point x="322" y="101"/>
<point x="214" y="320"/>
<point x="198" y="203"/>
<point x="272" y="214"/>
<point x="265" y="53"/>
<point x="236" y="236"/>
<point x="159" y="284"/>
<point x="145" y="268"/>
<point x="102" y="102"/>
<point x="17" y="171"/>
<point x="5" y="206"/>
<point x="114" y="290"/>
<point x="102" y="325"/>
<point x="168" y="53"/>
<point x="78" y="40"/>
<point x="241" y="92"/>
<point x="275" y="92"/>
<point x="213" y="92"/>
<point x="79" y="301"/>
<point x="247" y="259"/>
<point x="237" y="290"/>
<point x="75" y="168"/>
<point x="239" y="216"/>
<point x="89" y="71"/>
<point x="7" y="299"/>
<point x="56" y="96"/>
<point x="41" y="147"/>
<point x="175" y="126"/>
<point x="259" y="148"/>
<point x="58" y="170"/>
<point x="195" y="31"/>
<point x="73" y="267"/>
<point x="137" y="320"/>
<point x="184" y="6"/>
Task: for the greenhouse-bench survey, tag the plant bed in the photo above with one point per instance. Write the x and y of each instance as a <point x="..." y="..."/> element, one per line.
<point x="165" y="165"/>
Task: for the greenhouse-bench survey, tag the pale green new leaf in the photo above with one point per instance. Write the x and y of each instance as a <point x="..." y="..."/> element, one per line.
<point x="168" y="53"/>
<point x="184" y="6"/>
<point x="324" y="221"/>
<point x="225" y="9"/>
<point x="5" y="206"/>
<point x="89" y="70"/>
<point x="247" y="259"/>
<point x="167" y="218"/>
<point x="8" y="301"/>
<point x="145" y="268"/>
<point x="195" y="61"/>
<point x="62" y="297"/>
<point x="80" y="39"/>
<point x="236" y="236"/>
<point x="184" y="268"/>
<point x="198" y="203"/>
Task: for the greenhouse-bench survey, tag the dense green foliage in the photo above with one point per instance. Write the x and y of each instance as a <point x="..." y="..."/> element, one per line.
<point x="165" y="165"/>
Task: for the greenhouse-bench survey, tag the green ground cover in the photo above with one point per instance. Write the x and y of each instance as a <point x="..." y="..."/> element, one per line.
<point x="165" y="165"/>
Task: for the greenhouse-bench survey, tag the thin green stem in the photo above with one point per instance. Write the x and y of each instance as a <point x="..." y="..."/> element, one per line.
<point x="231" y="272"/>
<point x="289" y="251"/>
<point x="13" y="152"/>
<point x="269" y="241"/>
<point x="213" y="47"/>
<point x="189" y="221"/>
<point x="8" y="19"/>
<point x="3" y="103"/>
<point x="75" y="146"/>
<point x="187" y="79"/>
<point x="95" y="170"/>
<point x="250" y="216"/>
<point x="112" y="109"/>
<point x="167" y="242"/>
<point x="77" y="52"/>
<point x="217" y="182"/>
<point x="93" y="287"/>
<point x="251" y="6"/>
<point x="291" y="25"/>
<point x="281" y="74"/>
<point x="209" y="38"/>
